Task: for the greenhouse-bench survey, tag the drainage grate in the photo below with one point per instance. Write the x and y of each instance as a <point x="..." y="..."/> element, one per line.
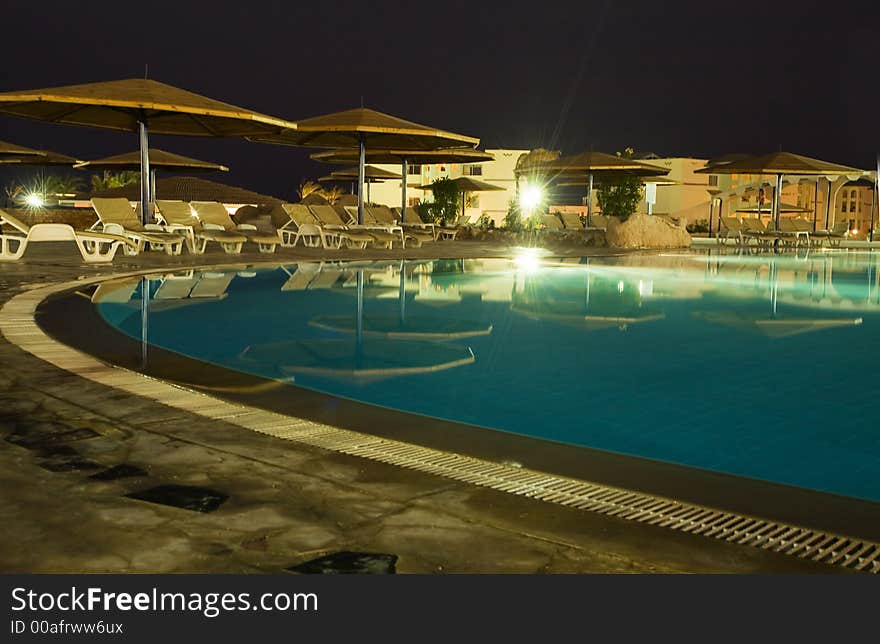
<point x="18" y="325"/>
<point x="186" y="497"/>
<point x="349" y="563"/>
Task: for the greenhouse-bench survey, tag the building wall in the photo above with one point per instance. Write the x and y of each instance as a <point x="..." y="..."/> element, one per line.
<point x="689" y="196"/>
<point x="498" y="172"/>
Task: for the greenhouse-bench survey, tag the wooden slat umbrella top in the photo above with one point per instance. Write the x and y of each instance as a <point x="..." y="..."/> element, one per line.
<point x="118" y="105"/>
<point x="46" y="158"/>
<point x="370" y="172"/>
<point x="380" y="131"/>
<point x="417" y="157"/>
<point x="779" y="163"/>
<point x="11" y="150"/>
<point x="467" y="184"/>
<point x="159" y="160"/>
<point x="570" y="181"/>
<point x="595" y="163"/>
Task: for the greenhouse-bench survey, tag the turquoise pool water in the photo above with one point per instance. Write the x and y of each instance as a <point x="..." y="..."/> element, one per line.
<point x="760" y="366"/>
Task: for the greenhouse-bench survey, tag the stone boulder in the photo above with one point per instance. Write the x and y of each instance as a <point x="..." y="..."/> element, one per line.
<point x="646" y="231"/>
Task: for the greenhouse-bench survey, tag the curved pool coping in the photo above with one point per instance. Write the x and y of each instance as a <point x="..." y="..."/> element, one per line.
<point x="19" y="327"/>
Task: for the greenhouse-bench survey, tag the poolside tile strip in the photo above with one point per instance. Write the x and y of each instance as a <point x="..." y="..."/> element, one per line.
<point x="19" y="327"/>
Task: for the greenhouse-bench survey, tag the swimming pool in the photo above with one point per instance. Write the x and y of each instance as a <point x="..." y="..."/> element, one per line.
<point x="760" y="366"/>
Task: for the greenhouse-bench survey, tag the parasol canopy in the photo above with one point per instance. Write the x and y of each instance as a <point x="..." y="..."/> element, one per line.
<point x="592" y="165"/>
<point x="404" y="157"/>
<point x="778" y="163"/>
<point x="378" y="130"/>
<point x="159" y="160"/>
<point x="781" y="163"/>
<point x="450" y="155"/>
<point x="370" y="172"/>
<point x="468" y="184"/>
<point x="45" y="158"/>
<point x="139" y="105"/>
<point x="11" y="151"/>
<point x="363" y="128"/>
<point x="465" y="185"/>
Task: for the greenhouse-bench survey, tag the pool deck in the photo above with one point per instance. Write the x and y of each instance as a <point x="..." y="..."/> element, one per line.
<point x="288" y="502"/>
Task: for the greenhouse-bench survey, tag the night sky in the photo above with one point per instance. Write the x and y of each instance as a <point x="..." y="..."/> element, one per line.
<point x="675" y="78"/>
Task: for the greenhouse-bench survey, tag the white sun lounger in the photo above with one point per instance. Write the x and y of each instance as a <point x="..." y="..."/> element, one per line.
<point x="384" y="234"/>
<point x="382" y="215"/>
<point x="179" y="217"/>
<point x="212" y="213"/>
<point x="95" y="247"/>
<point x="440" y="232"/>
<point x="354" y="236"/>
<point x="303" y="225"/>
<point x="117" y="211"/>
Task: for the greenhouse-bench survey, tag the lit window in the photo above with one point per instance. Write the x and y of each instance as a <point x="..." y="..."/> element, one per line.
<point x="414" y="169"/>
<point x="713" y="179"/>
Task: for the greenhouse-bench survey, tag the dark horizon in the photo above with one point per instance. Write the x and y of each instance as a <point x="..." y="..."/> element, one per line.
<point x="676" y="79"/>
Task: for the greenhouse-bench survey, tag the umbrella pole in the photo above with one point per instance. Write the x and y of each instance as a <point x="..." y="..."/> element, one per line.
<point x="711" y="212"/>
<point x="828" y="205"/>
<point x="462" y="206"/>
<point x="402" y="295"/>
<point x="145" y="314"/>
<point x="152" y="185"/>
<point x="876" y="201"/>
<point x="816" y="206"/>
<point x="145" y="170"/>
<point x="359" y="329"/>
<point x="403" y="171"/>
<point x="776" y="197"/>
<point x="774" y="288"/>
<point x="590" y="200"/>
<point x="871" y="216"/>
<point x="362" y="154"/>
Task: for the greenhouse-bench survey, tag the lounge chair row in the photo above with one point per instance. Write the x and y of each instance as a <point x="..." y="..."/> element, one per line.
<point x="325" y="226"/>
<point x="198" y="223"/>
<point x="792" y="232"/>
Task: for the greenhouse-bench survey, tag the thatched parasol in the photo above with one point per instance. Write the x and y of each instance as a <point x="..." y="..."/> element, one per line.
<point x="780" y="164"/>
<point x="363" y="128"/>
<point x="404" y="157"/>
<point x="465" y="185"/>
<point x="159" y="160"/>
<point x="11" y="152"/>
<point x="140" y="105"/>
<point x="591" y="165"/>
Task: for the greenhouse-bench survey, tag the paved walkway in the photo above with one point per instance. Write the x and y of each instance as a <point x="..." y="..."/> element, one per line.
<point x="287" y="503"/>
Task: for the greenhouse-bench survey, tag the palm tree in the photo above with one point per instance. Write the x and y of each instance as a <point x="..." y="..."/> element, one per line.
<point x="114" y="180"/>
<point x="307" y="187"/>
<point x="332" y="194"/>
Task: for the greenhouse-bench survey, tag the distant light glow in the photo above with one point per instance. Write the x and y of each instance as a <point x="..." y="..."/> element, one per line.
<point x="855" y="231"/>
<point x="527" y="260"/>
<point x="530" y="196"/>
<point x="34" y="200"/>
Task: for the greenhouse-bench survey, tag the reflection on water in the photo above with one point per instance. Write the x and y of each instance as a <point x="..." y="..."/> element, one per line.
<point x="761" y="366"/>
